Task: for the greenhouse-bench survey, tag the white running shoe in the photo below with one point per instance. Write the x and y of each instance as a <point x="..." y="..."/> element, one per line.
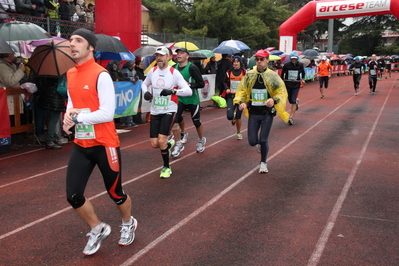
<point x="201" y="144"/>
<point x="183" y="137"/>
<point x="95" y="240"/>
<point x="178" y="149"/>
<point x="128" y="233"/>
<point x="263" y="168"/>
<point x="172" y="143"/>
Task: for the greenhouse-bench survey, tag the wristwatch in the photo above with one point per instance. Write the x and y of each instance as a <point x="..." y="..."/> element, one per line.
<point x="74" y="118"/>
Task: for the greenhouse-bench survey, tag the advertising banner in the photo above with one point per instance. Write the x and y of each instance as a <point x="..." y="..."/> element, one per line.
<point x="127" y="98"/>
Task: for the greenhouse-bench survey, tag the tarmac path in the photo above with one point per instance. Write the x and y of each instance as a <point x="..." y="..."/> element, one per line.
<point x="329" y="198"/>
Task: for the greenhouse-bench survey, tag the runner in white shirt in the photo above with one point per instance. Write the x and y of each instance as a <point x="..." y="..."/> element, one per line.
<point x="164" y="81"/>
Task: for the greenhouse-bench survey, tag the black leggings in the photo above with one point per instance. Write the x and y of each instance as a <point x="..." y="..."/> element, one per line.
<point x="80" y="167"/>
<point x="356" y="80"/>
<point x="194" y="110"/>
<point x="372" y="82"/>
<point x="264" y="123"/>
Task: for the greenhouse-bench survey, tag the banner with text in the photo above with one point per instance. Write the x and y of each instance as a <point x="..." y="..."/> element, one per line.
<point x="127" y="98"/>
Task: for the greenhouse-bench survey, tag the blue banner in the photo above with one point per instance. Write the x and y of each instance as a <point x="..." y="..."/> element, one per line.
<point x="127" y="97"/>
<point x="310" y="73"/>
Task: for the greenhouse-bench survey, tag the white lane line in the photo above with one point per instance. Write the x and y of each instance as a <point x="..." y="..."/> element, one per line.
<point x="33" y="176"/>
<point x="325" y="235"/>
<point x="63" y="167"/>
<point x="183" y="222"/>
<point x="99" y="194"/>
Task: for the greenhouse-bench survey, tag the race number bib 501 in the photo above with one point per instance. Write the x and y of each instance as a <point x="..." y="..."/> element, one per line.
<point x="84" y="131"/>
<point x="259" y="97"/>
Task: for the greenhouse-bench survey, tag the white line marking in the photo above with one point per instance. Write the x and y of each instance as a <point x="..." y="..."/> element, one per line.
<point x="325" y="235"/>
<point x="147" y="248"/>
<point x="63" y="167"/>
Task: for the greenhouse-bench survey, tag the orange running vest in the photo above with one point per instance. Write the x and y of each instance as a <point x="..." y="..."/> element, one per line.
<point x="82" y="87"/>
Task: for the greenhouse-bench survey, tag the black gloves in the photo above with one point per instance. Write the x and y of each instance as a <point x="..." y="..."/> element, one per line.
<point x="166" y="92"/>
<point x="147" y="96"/>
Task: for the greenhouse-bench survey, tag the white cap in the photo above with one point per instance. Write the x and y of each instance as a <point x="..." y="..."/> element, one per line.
<point x="162" y="50"/>
<point x="324" y="58"/>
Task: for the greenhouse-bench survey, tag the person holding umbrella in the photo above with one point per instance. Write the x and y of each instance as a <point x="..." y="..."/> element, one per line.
<point x="293" y="75"/>
<point x="91" y="107"/>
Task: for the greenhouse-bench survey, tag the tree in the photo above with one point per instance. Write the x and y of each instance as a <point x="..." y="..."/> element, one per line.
<point x="364" y="36"/>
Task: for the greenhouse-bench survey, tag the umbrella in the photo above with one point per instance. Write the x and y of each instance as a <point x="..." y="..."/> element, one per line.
<point x="347" y="57"/>
<point x="207" y="53"/>
<point x="304" y="61"/>
<point x="111" y="44"/>
<point x="5" y="48"/>
<point x="52" y="59"/>
<point x="101" y="55"/>
<point x="276" y="52"/>
<point x="235" y="44"/>
<point x="394" y="56"/>
<point x="273" y="57"/>
<point x="41" y="42"/>
<point x="226" y="50"/>
<point x="196" y="55"/>
<point x="22" y="31"/>
<point x="188" y="45"/>
<point x="145" y="51"/>
<point x="334" y="58"/>
<point x="310" y="54"/>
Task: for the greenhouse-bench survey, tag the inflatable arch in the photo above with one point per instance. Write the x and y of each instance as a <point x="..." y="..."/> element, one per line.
<point x="330" y="9"/>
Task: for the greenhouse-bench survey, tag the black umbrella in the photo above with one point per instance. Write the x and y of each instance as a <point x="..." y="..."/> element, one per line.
<point x="111" y="44"/>
<point x="145" y="51"/>
<point x="311" y="54"/>
<point x="197" y="55"/>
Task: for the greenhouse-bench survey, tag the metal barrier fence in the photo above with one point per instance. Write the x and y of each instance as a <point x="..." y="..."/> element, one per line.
<point x="55" y="27"/>
<point x="202" y="42"/>
<point x="64" y="28"/>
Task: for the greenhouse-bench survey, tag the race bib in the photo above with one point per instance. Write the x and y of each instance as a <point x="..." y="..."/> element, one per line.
<point x="161" y="102"/>
<point x="234" y="86"/>
<point x="292" y="74"/>
<point x="84" y="131"/>
<point x="259" y="97"/>
<point x="357" y="70"/>
<point x="373" y="72"/>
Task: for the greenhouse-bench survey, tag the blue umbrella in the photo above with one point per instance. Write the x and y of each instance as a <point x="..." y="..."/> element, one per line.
<point x="347" y="57"/>
<point x="226" y="50"/>
<point x="101" y="55"/>
<point x="276" y="52"/>
<point x="235" y="44"/>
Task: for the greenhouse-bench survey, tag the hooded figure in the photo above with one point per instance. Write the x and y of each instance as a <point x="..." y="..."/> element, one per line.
<point x="129" y="71"/>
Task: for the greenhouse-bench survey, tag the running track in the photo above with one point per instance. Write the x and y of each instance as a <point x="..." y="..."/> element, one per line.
<point x="330" y="197"/>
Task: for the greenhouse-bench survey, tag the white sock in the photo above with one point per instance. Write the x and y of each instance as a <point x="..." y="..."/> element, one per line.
<point x="97" y="229"/>
<point x="128" y="222"/>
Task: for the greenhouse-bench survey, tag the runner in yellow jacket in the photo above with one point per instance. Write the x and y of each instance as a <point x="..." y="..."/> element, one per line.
<point x="262" y="94"/>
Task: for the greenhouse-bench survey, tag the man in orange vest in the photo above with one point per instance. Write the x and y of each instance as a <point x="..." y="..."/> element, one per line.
<point x="91" y="107"/>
